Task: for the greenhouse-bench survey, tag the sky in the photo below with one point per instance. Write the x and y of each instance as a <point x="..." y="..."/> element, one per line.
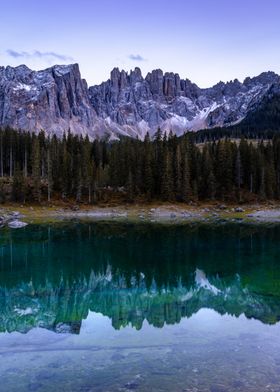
<point x="205" y="41"/>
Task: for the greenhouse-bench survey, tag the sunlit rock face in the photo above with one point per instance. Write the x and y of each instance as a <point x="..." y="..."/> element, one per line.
<point x="57" y="99"/>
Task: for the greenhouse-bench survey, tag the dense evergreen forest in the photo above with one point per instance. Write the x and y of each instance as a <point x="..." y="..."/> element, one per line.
<point x="36" y="168"/>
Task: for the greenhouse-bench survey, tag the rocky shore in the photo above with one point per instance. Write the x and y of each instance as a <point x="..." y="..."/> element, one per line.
<point x="166" y="213"/>
<point x="11" y="219"/>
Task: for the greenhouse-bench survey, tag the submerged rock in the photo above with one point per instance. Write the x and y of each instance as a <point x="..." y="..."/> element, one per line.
<point x="16" y="224"/>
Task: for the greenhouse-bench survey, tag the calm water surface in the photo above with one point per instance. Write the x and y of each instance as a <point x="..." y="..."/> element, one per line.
<point x="123" y="307"/>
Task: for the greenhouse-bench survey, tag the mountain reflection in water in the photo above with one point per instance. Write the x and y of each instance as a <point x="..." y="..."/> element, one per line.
<point x="53" y="276"/>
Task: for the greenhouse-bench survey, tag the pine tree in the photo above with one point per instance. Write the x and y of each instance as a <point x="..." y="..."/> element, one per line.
<point x="186" y="193"/>
<point x="11" y="156"/>
<point x="2" y="191"/>
<point x="64" y="175"/>
<point x="18" y="189"/>
<point x="129" y="187"/>
<point x="88" y="167"/>
<point x="36" y="170"/>
<point x="49" y="171"/>
<point x="178" y="171"/>
<point x="262" y="186"/>
<point x="167" y="193"/>
<point x="238" y="174"/>
<point x="211" y="185"/>
<point x="148" y="182"/>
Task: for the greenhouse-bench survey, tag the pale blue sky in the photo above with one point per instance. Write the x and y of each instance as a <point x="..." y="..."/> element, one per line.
<point x="203" y="40"/>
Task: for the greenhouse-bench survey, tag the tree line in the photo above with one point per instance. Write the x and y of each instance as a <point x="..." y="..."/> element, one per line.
<point x="38" y="168"/>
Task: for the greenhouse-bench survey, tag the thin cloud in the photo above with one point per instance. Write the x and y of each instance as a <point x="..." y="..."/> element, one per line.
<point x="38" y="55"/>
<point x="136" y="57"/>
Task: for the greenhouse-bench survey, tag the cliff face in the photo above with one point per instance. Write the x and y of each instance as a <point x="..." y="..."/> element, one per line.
<point x="138" y="104"/>
<point x="54" y="100"/>
<point x="57" y="99"/>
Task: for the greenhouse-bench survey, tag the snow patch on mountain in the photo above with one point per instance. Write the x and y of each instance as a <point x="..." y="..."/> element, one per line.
<point x="23" y="86"/>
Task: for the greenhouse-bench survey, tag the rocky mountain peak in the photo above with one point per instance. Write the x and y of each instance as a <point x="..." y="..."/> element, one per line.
<point x="61" y="70"/>
<point x="57" y="99"/>
<point x="155" y="81"/>
<point x="262" y="79"/>
<point x="136" y="76"/>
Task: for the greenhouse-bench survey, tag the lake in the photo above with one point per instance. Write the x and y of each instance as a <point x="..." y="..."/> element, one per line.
<point x="113" y="306"/>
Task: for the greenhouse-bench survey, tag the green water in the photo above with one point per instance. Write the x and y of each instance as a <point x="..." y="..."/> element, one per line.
<point x="123" y="307"/>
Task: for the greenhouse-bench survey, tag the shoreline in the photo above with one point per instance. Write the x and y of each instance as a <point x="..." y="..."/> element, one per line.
<point x="152" y="213"/>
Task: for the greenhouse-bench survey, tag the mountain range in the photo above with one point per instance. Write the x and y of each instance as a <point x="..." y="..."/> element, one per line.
<point x="58" y="99"/>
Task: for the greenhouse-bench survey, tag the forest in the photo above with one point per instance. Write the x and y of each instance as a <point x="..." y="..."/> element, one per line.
<point x="36" y="168"/>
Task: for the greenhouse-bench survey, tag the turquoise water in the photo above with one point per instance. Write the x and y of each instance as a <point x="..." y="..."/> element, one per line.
<point x="135" y="307"/>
